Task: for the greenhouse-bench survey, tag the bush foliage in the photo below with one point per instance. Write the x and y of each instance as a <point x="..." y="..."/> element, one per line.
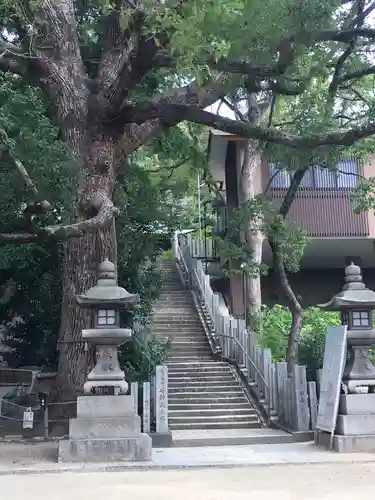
<point x="276" y="322"/>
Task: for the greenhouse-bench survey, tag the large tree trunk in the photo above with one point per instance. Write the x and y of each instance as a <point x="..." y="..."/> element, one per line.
<point x="253" y="237"/>
<point x="79" y="269"/>
<point x="80" y="263"/>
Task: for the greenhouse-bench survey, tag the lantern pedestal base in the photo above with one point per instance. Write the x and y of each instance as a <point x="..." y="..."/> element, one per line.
<point x="106" y="430"/>
<point x="137" y="449"/>
<point x="346" y="444"/>
<point x="355" y="427"/>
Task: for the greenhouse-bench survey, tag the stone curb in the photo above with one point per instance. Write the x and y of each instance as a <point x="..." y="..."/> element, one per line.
<point x="158" y="467"/>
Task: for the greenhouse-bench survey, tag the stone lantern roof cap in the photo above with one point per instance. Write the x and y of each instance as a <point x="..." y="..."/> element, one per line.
<point x="354" y="293"/>
<point x="106" y="292"/>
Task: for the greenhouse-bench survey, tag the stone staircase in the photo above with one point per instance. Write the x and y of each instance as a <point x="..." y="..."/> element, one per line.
<point x="204" y="394"/>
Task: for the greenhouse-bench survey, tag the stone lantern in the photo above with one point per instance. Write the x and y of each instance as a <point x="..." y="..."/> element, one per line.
<point x="356" y="303"/>
<point x="106" y="299"/>
<point x="107" y="427"/>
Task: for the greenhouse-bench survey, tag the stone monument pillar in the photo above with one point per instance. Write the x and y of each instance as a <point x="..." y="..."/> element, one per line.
<point x="355" y="425"/>
<point x="107" y="427"/>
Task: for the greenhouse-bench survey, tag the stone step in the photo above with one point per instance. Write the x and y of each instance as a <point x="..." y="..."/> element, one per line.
<point x="178" y="326"/>
<point x="173" y="301"/>
<point x="207" y="386"/>
<point x="198" y="343"/>
<point x="189" y="354"/>
<point x="216" y="368"/>
<point x="190" y="324"/>
<point x="200" y="373"/>
<point x="186" y="347"/>
<point x="245" y="412"/>
<point x="208" y="378"/>
<point x="173" y="338"/>
<point x="173" y="286"/>
<point x="231" y="437"/>
<point x="195" y="398"/>
<point x="197" y="364"/>
<point x="181" y="330"/>
<point x="249" y="416"/>
<point x="177" y="319"/>
<point x="192" y="374"/>
<point x="172" y="309"/>
<point x="185" y="338"/>
<point x="190" y="332"/>
<point x="196" y="374"/>
<point x="254" y="424"/>
<point x="201" y="387"/>
<point x="174" y="296"/>
<point x="173" y="334"/>
<point x="167" y="293"/>
<point x="231" y="406"/>
<point x="202" y="357"/>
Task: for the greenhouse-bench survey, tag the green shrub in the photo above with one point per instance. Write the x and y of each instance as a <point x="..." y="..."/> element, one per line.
<point x="274" y="331"/>
<point x="140" y="357"/>
<point x="311" y="345"/>
<point x="276" y="322"/>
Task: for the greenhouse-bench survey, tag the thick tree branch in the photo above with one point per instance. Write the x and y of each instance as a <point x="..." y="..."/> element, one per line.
<point x="121" y="48"/>
<point x="63" y="232"/>
<point x="138" y="132"/>
<point x="179" y="112"/>
<point x="359" y="20"/>
<point x="43" y="204"/>
<point x="61" y="68"/>
<point x="13" y="59"/>
<point x="335" y="81"/>
<point x="356" y="75"/>
<point x="292" y="191"/>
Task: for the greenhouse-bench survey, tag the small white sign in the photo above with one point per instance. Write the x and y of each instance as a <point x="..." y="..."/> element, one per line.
<point x="146" y="407"/>
<point x="161" y="399"/>
<point x="28" y="419"/>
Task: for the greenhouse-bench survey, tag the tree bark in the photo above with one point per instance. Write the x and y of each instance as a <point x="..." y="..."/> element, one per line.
<point x="279" y="268"/>
<point x="79" y="270"/>
<point x="294" y="307"/>
<point x="253" y="237"/>
<point x="81" y="257"/>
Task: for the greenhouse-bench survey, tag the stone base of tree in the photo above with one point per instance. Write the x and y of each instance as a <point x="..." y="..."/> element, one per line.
<point x="106" y="430"/>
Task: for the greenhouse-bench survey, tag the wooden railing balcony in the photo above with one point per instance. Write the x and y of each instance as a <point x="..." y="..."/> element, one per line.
<point x="324" y="212"/>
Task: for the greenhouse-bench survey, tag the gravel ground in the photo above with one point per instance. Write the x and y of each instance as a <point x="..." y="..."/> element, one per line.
<point x="282" y="482"/>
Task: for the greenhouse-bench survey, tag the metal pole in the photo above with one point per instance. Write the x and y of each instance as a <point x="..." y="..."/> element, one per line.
<point x="246" y="295"/>
<point x="199" y="205"/>
<point x="45" y="416"/>
<point x="205" y="234"/>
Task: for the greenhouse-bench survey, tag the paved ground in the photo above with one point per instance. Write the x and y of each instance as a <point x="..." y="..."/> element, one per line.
<point x="282" y="482"/>
<point x="42" y="457"/>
